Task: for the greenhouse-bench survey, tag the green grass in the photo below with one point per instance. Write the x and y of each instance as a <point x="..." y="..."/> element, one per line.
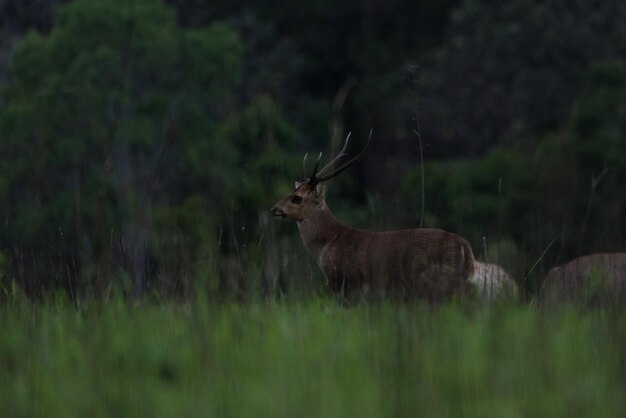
<point x="309" y="359"/>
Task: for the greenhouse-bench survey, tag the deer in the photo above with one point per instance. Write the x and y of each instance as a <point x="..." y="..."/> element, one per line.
<point x="493" y="282"/>
<point x="423" y="263"/>
<point x="595" y="279"/>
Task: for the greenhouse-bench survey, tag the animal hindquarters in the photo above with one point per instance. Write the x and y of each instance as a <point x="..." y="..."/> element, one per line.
<point x="492" y="282"/>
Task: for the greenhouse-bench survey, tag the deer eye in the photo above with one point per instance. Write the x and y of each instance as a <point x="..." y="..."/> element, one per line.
<point x="296" y="200"/>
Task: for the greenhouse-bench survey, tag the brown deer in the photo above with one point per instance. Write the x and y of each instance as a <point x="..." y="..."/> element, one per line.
<point x="595" y="279"/>
<point x="425" y="263"/>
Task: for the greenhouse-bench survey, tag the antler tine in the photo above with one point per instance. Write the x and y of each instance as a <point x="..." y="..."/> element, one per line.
<point x="346" y="164"/>
<point x="313" y="177"/>
<point x="342" y="153"/>
<point x="304" y="167"/>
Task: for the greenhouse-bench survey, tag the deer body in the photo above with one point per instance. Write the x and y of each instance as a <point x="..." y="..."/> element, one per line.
<point x="425" y="263"/>
<point x="596" y="279"/>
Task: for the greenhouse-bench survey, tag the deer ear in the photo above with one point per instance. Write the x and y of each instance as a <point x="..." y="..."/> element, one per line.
<point x="320" y="190"/>
<point x="298" y="184"/>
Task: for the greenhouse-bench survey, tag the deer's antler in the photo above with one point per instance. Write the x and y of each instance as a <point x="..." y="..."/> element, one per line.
<point x="318" y="177"/>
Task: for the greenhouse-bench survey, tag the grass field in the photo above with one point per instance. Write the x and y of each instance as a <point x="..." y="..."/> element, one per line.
<point x="309" y="359"/>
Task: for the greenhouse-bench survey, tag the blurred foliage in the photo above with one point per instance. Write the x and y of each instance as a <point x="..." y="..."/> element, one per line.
<point x="308" y="359"/>
<point x="511" y="70"/>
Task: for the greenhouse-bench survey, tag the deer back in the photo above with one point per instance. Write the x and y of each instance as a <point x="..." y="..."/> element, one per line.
<point x="426" y="263"/>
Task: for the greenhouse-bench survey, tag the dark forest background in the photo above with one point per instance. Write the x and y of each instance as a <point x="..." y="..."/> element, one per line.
<point x="143" y="142"/>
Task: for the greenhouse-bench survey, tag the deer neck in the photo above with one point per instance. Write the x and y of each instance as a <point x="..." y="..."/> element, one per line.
<point x="319" y="230"/>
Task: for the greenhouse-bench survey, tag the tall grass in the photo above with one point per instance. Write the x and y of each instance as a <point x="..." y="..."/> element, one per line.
<point x="313" y="358"/>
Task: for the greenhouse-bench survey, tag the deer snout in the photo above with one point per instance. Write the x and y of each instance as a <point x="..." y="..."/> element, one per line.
<point x="277" y="211"/>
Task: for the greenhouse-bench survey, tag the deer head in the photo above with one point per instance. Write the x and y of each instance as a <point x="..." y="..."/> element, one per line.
<point x="308" y="196"/>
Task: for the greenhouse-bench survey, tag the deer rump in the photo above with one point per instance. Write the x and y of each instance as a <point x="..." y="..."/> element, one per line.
<point x="595" y="279"/>
<point x="416" y="263"/>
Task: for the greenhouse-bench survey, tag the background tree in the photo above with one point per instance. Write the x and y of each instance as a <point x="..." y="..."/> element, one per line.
<point x="510" y="71"/>
<point x="116" y="112"/>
